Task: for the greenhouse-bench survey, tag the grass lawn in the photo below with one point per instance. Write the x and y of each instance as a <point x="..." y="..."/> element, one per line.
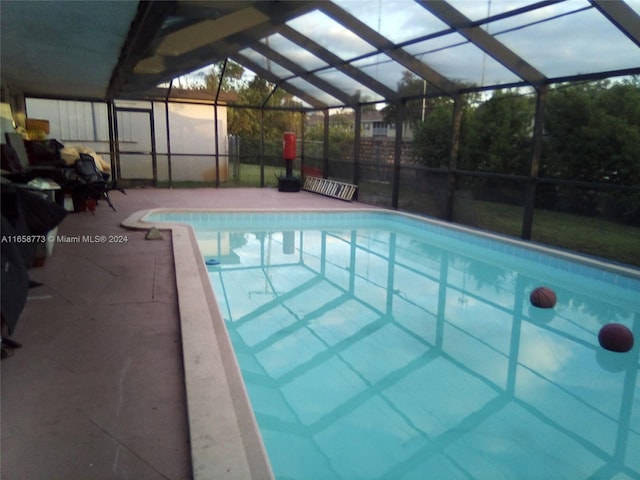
<point x="591" y="236"/>
<point x="588" y="235"/>
<point x="249" y="177"/>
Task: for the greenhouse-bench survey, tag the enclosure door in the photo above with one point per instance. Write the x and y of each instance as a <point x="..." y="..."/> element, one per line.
<point x="136" y="147"/>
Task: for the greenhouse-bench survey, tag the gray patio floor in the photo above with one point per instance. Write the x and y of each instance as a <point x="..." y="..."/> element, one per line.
<point x="97" y="391"/>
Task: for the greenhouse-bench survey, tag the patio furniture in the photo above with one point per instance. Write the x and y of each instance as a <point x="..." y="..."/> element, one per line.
<point x="89" y="184"/>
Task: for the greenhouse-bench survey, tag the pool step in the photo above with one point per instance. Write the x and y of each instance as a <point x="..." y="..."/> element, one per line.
<point x="330" y="188"/>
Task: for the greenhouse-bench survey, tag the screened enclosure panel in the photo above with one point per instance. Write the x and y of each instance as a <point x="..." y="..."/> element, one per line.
<point x="193" y="128"/>
<point x="461" y="61"/>
<point x="266" y="63"/>
<point x="351" y="87"/>
<point x="456" y="45"/>
<point x="381" y="68"/>
<point x="136" y="167"/>
<point x="331" y="35"/>
<point x="344" y="52"/>
<point x="293" y="52"/>
<point x="575" y="53"/>
<point x="399" y="21"/>
<point x="135" y="145"/>
<point x="315" y="92"/>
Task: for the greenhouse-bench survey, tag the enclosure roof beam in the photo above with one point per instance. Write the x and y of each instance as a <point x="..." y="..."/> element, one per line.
<point x="186" y="36"/>
<point x="148" y="21"/>
<point x="484" y="40"/>
<point x="385" y="45"/>
<point x="267" y="75"/>
<point x="622" y="16"/>
<point x="301" y="73"/>
<point x="334" y="61"/>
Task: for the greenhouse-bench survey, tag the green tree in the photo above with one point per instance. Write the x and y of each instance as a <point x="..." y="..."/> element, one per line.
<point x="498" y="134"/>
<point x="593" y="135"/>
<point x="432" y="137"/>
<point x="593" y="132"/>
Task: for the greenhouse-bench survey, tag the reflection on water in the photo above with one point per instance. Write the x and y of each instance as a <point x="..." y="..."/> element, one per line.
<point x="401" y="353"/>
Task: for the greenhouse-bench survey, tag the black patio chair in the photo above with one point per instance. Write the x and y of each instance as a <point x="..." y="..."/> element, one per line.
<point x="91" y="183"/>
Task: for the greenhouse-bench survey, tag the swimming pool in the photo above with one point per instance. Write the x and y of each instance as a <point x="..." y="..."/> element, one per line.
<point x="376" y="345"/>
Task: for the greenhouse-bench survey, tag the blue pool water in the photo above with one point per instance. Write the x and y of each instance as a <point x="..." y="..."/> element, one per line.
<point x="378" y="346"/>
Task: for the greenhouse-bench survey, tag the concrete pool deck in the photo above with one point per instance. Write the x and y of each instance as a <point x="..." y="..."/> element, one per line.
<point x="98" y="389"/>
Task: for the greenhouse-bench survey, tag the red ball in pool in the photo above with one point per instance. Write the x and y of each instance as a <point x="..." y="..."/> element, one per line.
<point x="543" y="297"/>
<point x="616" y="337"/>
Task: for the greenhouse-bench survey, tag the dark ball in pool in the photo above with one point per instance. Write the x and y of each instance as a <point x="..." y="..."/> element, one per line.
<point x="616" y="337"/>
<point x="543" y="297"/>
